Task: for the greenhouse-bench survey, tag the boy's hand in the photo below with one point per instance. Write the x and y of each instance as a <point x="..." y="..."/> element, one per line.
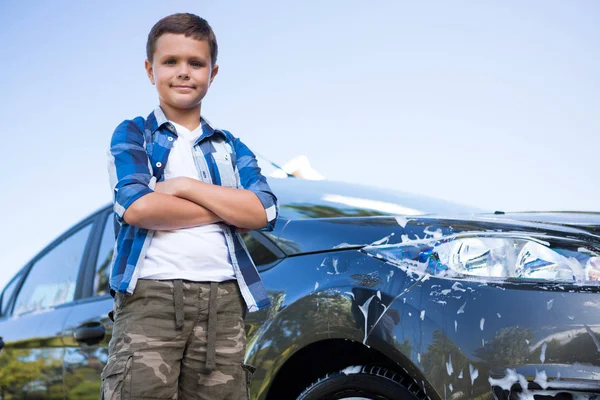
<point x="177" y="187"/>
<point x="173" y="187"/>
<point x="237" y="207"/>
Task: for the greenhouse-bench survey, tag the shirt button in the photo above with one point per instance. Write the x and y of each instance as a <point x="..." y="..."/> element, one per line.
<point x="170" y="139"/>
<point x="158" y="164"/>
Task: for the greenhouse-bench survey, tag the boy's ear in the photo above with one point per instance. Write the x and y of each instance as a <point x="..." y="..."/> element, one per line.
<point x="215" y="71"/>
<point x="149" y="71"/>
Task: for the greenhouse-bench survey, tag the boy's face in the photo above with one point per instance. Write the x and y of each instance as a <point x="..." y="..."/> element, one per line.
<point x="181" y="71"/>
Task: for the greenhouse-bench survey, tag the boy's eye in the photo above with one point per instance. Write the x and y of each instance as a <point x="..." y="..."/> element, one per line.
<point x="170" y="62"/>
<point x="196" y="64"/>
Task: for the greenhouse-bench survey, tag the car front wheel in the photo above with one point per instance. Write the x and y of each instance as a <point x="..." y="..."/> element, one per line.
<point x="362" y="383"/>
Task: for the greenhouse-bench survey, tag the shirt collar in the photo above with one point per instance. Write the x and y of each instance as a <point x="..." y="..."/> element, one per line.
<point x="157" y="119"/>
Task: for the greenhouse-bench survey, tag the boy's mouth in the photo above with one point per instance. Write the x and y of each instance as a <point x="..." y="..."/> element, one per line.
<point x="183" y="87"/>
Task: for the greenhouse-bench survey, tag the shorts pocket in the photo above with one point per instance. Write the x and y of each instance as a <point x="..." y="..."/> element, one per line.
<point x="115" y="377"/>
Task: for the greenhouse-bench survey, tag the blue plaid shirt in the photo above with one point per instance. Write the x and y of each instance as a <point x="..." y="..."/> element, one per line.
<point x="139" y="151"/>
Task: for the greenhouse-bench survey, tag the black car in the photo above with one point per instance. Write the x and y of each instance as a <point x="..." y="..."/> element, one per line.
<point x="375" y="295"/>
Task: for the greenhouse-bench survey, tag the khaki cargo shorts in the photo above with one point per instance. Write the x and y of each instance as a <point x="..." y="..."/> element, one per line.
<point x="178" y="340"/>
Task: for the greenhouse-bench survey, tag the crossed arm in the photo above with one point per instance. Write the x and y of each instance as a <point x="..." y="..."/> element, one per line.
<point x="184" y="202"/>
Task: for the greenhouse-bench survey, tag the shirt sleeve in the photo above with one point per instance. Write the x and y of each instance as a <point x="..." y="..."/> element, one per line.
<point x="129" y="169"/>
<point x="252" y="179"/>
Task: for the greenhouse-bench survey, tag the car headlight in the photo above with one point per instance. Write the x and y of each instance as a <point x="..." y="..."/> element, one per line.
<point x="495" y="256"/>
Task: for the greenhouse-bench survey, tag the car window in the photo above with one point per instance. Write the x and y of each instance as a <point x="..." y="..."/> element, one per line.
<point x="52" y="279"/>
<point x="261" y="255"/>
<point x="105" y="253"/>
<point x="9" y="290"/>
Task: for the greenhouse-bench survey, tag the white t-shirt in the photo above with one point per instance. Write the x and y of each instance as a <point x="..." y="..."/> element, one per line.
<point x="195" y="254"/>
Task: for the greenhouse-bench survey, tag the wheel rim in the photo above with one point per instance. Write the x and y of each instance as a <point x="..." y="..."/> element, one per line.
<point x="355" y="398"/>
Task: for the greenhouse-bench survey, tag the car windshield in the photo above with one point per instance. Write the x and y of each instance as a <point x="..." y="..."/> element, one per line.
<point x="302" y="199"/>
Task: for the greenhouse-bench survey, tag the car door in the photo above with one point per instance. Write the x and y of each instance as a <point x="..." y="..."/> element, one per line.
<point x="88" y="329"/>
<point x="31" y="359"/>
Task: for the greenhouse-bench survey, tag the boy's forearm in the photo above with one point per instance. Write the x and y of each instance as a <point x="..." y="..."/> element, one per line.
<point x="158" y="211"/>
<point x="237" y="207"/>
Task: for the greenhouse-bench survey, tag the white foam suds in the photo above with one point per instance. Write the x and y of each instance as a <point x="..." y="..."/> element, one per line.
<point x="499" y="316"/>
<point x="335" y="264"/>
<point x="437" y="234"/>
<point x="365" y="310"/>
<point x="587" y="251"/>
<point x="316" y="286"/>
<point x="505" y="383"/>
<point x="419" y="357"/>
<point x="455" y="326"/>
<point x="383" y="240"/>
<point x="450" y="387"/>
<point x="549" y="304"/>
<point x="445" y="291"/>
<point x="461" y="310"/>
<point x="592" y="304"/>
<point x="402" y="221"/>
<point x="481" y="323"/>
<point x="423" y="315"/>
<point x="355" y="369"/>
<point x="541" y="379"/>
<point x="409" y="314"/>
<point x="460" y="374"/>
<point x="474" y="373"/>
<point x="449" y="368"/>
<point x="543" y="353"/>
<point x="323" y="263"/>
<point x="458" y="286"/>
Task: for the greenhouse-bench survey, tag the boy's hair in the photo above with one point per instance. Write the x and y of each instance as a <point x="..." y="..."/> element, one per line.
<point x="186" y="24"/>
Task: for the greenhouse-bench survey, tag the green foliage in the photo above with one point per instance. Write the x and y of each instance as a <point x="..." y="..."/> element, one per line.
<point x="20" y="370"/>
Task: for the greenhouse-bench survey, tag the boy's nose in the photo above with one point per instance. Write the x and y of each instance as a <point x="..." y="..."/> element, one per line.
<point x="183" y="73"/>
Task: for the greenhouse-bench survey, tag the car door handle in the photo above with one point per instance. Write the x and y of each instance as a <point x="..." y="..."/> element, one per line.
<point x="90" y="334"/>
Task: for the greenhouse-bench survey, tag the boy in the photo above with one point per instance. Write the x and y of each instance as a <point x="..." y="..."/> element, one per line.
<point x="182" y="277"/>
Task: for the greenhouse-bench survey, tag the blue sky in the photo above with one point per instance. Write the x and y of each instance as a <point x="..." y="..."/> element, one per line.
<point x="491" y="104"/>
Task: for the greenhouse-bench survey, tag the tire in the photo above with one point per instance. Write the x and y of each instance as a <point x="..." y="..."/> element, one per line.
<point x="363" y="382"/>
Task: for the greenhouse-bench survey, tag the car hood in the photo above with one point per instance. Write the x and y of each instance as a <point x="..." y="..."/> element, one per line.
<point x="585" y="220"/>
<point x="331" y="234"/>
